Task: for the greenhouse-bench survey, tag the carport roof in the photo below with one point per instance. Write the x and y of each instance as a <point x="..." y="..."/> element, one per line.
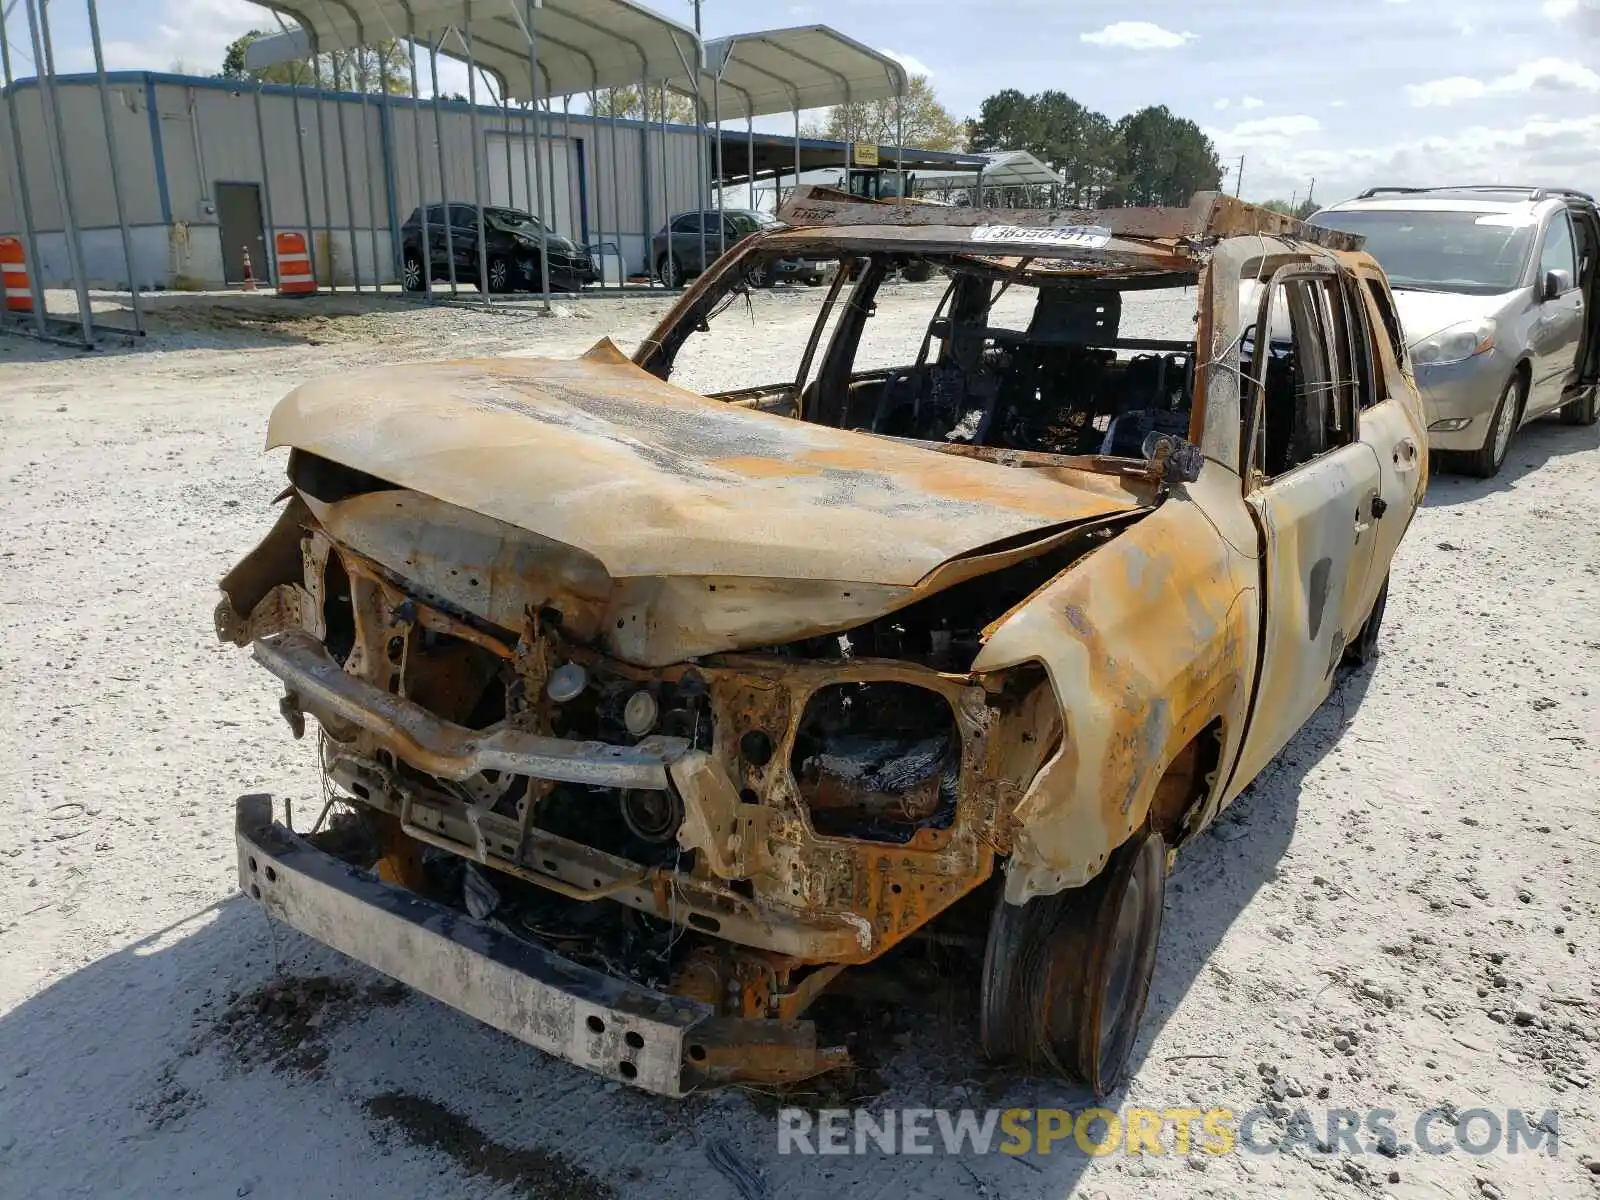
<point x="583" y="44"/>
<point x="807" y="66"/>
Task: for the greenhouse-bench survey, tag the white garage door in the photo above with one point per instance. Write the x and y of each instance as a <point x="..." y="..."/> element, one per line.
<point x="511" y="172"/>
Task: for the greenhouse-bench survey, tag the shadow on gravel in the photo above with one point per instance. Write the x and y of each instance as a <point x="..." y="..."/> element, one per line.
<point x="221" y="1043"/>
<point x="1535" y="446"/>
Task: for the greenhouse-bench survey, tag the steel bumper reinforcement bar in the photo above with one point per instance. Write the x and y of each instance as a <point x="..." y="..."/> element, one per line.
<point x="319" y="685"/>
<point x="661" y="1043"/>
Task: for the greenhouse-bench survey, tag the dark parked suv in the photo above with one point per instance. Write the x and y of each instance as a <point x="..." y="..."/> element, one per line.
<point x="512" y="250"/>
<point x="676" y="255"/>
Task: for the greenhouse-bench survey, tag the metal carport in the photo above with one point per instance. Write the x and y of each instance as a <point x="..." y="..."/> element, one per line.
<point x="535" y="50"/>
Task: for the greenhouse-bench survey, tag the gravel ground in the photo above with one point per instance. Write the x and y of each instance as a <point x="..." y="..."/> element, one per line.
<point x="1401" y="914"/>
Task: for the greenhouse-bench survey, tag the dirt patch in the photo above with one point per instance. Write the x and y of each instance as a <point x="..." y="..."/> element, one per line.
<point x="535" y="1174"/>
<point x="284" y="1023"/>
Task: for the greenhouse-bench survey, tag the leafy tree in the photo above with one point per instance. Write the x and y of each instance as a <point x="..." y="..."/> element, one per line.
<point x="928" y="124"/>
<point x="1148" y="157"/>
<point x="1165" y="158"/>
<point x="1302" y="210"/>
<point x="344" y="70"/>
<point x="624" y="102"/>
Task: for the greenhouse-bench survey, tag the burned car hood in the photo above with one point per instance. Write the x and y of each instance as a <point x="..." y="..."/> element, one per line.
<point x="651" y="480"/>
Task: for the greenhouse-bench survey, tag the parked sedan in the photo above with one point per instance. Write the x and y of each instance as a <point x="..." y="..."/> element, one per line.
<point x="511" y="250"/>
<point x="675" y="251"/>
<point x="1500" y="304"/>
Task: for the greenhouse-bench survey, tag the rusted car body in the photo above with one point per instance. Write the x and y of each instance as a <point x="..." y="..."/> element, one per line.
<point x="720" y="696"/>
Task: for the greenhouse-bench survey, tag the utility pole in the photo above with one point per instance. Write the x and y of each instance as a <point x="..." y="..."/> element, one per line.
<point x="1311" y="191"/>
<point x="1238" y="178"/>
<point x="696" y="4"/>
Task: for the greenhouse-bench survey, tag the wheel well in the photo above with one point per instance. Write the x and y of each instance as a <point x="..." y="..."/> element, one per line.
<point x="1181" y="795"/>
<point x="1524" y="374"/>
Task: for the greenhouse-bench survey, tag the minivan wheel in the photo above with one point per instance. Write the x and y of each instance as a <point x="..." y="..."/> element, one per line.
<point x="1486" y="461"/>
<point x="1585" y="410"/>
<point x="411" y="273"/>
<point x="1066" y="977"/>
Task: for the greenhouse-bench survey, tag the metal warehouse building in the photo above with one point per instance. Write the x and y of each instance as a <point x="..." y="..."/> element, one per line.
<point x="210" y="168"/>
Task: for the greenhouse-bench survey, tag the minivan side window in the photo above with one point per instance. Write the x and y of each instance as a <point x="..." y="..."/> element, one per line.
<point x="1557" y="253"/>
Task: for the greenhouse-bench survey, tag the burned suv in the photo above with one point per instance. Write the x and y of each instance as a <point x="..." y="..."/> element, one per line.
<point x="649" y="712"/>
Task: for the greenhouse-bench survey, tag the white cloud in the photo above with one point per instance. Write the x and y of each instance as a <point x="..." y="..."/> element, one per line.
<point x="1251" y="102"/>
<point x="1221" y="104"/>
<point x="1338" y="104"/>
<point x="1538" y="150"/>
<point x="913" y="66"/>
<point x="1268" y="131"/>
<point x="1544" y="74"/>
<point x="1559" y="10"/>
<point x="193" y="33"/>
<point x="1136" y="35"/>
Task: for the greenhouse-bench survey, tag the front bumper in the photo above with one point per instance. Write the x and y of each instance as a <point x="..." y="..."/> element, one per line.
<point x="661" y="1043"/>
<point x="1463" y="394"/>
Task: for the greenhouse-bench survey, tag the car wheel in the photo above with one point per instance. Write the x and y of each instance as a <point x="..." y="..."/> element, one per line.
<point x="762" y="275"/>
<point x="1363" y="648"/>
<point x="499" y="274"/>
<point x="670" y="271"/>
<point x="1486" y="461"/>
<point x="1585" y="410"/>
<point x="1065" y="977"/>
<point x="411" y="272"/>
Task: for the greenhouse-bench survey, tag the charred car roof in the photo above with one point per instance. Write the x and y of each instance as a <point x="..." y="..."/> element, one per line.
<point x="1112" y="243"/>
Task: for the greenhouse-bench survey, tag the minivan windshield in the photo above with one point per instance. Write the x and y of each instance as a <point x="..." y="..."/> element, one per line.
<point x="1477" y="253"/>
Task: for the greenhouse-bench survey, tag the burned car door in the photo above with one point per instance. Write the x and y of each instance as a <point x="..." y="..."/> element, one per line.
<point x="1311" y="486"/>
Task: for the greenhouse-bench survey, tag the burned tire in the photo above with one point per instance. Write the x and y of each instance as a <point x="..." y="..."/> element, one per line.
<point x="1585" y="410"/>
<point x="1065" y="977"/>
<point x="1486" y="461"/>
<point x="1363" y="648"/>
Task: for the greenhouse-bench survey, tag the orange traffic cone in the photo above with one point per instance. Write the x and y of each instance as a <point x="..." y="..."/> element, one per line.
<point x="249" y="275"/>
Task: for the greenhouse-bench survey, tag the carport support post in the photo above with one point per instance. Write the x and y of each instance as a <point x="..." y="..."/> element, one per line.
<point x="644" y="155"/>
<point x="538" y="157"/>
<point x="270" y="237"/>
<point x="666" y="191"/>
<point x="362" y="78"/>
<point x="591" y="161"/>
<point x="616" y="190"/>
<point x="444" y="181"/>
<point x="44" y="60"/>
<point x="477" y="157"/>
<point x="300" y="153"/>
<point x="527" y="154"/>
<point x="775" y="204"/>
<point x="425" y="250"/>
<point x="322" y="165"/>
<point x="750" y="155"/>
<point x="722" y="212"/>
<point x="35" y="285"/>
<point x="116" y="166"/>
<point x="701" y="195"/>
<point x="344" y="166"/>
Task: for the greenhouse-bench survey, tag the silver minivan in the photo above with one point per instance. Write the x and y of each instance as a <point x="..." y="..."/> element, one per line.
<point x="1497" y="293"/>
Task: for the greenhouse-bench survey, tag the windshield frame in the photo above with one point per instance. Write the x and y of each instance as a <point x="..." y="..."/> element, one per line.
<point x="1365" y="220"/>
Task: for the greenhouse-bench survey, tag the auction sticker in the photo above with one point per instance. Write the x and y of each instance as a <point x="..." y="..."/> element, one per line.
<point x="1082" y="237"/>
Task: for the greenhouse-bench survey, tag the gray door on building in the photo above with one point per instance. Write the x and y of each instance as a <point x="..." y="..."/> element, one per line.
<point x="239" y="215"/>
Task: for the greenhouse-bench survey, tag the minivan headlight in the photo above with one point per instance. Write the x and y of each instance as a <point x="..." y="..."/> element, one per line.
<point x="1459" y="342"/>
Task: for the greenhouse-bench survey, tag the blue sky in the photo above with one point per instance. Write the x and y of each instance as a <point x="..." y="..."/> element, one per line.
<point x="1370" y="91"/>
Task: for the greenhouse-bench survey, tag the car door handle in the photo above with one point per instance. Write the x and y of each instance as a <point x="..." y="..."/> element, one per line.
<point x="1379" y="507"/>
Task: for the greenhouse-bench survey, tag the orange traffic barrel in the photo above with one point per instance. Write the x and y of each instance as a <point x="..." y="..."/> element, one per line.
<point x="14" y="268"/>
<point x="295" y="277"/>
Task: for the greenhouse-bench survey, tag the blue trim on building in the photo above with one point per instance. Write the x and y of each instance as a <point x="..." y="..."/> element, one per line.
<point x="155" y="148"/>
<point x="149" y="79"/>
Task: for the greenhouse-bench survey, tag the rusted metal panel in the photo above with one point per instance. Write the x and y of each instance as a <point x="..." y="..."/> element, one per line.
<point x="1147" y="641"/>
<point x="653" y="480"/>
